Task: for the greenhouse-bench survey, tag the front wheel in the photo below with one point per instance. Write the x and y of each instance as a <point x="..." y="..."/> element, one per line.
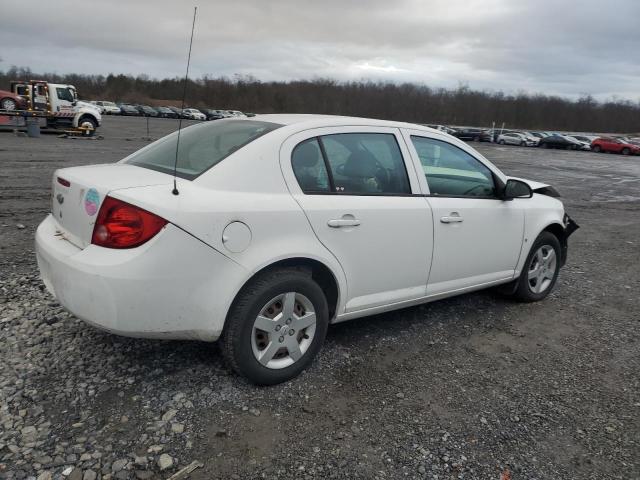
<point x="597" y="148"/>
<point x="8" y="104"/>
<point x="626" y="151"/>
<point x="88" y="126"/>
<point x="540" y="270"/>
<point x="275" y="327"/>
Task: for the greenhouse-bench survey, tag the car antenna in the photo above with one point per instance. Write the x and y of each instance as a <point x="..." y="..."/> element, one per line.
<point x="184" y="94"/>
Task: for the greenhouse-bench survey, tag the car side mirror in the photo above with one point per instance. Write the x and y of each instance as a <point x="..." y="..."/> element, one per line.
<point x="516" y="189"/>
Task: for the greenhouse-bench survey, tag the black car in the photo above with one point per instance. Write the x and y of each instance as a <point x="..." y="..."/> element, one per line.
<point x="472" y="134"/>
<point x="166" y="112"/>
<point x="556" y="141"/>
<point x="212" y="114"/>
<point x="147" y="111"/>
<point x="128" y="109"/>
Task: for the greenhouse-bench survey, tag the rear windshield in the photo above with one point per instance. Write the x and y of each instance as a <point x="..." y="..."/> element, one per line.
<point x="201" y="146"/>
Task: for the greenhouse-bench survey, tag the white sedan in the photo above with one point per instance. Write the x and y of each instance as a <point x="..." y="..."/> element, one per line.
<point x="516" y="138"/>
<point x="193" y="114"/>
<point x="279" y="225"/>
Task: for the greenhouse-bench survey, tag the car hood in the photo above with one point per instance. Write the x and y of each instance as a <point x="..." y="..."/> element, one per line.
<point x="533" y="184"/>
<point x="540" y="188"/>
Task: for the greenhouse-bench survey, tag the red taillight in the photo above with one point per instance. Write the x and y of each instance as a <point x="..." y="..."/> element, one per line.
<point x="122" y="225"/>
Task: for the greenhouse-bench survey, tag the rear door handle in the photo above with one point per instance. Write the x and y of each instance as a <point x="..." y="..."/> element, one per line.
<point x="453" y="217"/>
<point x="343" y="222"/>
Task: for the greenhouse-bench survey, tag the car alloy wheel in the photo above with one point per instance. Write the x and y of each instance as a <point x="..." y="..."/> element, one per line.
<point x="284" y="330"/>
<point x="542" y="269"/>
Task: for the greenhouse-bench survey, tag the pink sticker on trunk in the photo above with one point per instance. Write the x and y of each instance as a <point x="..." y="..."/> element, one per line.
<point x="91" y="202"/>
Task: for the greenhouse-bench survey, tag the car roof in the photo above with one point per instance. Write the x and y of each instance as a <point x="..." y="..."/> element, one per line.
<point x="302" y="120"/>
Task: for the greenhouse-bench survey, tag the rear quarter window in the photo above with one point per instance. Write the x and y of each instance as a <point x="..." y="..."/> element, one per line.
<point x="201" y="146"/>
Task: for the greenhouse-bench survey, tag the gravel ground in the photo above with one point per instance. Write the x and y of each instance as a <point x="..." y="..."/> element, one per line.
<point x="471" y="387"/>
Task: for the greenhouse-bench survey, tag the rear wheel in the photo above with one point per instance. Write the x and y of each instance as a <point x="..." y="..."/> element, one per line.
<point x="276" y="327"/>
<point x="597" y="148"/>
<point x="540" y="270"/>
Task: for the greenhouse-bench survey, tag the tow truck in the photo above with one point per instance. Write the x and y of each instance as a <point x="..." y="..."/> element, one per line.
<point x="53" y="106"/>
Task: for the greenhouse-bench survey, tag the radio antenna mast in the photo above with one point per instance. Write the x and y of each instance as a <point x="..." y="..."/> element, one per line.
<point x="184" y="94"/>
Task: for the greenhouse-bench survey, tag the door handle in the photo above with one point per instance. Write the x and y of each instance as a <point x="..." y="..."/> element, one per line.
<point x="343" y="222"/>
<point x="453" y="217"/>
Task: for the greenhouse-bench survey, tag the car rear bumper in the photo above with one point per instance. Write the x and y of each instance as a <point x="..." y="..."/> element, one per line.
<point x="172" y="287"/>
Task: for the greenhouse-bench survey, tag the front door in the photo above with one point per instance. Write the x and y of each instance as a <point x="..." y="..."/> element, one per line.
<point x="477" y="237"/>
<point x="356" y="190"/>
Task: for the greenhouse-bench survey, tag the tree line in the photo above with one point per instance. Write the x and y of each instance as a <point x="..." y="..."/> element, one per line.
<point x="404" y="102"/>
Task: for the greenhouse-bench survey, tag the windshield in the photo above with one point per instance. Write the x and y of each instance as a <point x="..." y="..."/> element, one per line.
<point x="201" y="146"/>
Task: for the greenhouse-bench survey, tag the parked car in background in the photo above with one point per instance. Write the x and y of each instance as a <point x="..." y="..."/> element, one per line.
<point x="437" y="219"/>
<point x="212" y="114"/>
<point x="633" y="141"/>
<point x="582" y="144"/>
<point x="193" y="114"/>
<point x="538" y="135"/>
<point x="108" y="108"/>
<point x="176" y="110"/>
<point x="147" y="111"/>
<point x="557" y="141"/>
<point x="128" y="109"/>
<point x="585" y="138"/>
<point x="166" y="112"/>
<point x="516" y="138"/>
<point x="473" y="134"/>
<point x="235" y="113"/>
<point x="442" y="128"/>
<point x="531" y="138"/>
<point x="614" y="145"/>
<point x="99" y="107"/>
<point x="11" y="101"/>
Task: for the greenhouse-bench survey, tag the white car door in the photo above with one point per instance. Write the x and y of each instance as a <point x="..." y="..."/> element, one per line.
<point x="356" y="186"/>
<point x="477" y="237"/>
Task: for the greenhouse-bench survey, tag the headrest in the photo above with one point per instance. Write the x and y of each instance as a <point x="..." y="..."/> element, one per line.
<point x="361" y="164"/>
<point x="307" y="154"/>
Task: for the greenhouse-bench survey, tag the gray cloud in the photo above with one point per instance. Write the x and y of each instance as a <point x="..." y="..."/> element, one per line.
<point x="567" y="48"/>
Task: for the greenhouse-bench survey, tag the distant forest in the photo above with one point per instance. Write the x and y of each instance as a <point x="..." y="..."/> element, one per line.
<point x="409" y="102"/>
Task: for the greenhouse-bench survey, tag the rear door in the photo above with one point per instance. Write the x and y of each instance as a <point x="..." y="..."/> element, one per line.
<point x="356" y="189"/>
<point x="477" y="237"/>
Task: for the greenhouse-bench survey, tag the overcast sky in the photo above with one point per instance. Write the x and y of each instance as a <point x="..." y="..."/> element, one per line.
<point x="566" y="47"/>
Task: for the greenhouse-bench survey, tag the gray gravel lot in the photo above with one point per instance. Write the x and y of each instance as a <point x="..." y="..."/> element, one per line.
<point x="470" y="387"/>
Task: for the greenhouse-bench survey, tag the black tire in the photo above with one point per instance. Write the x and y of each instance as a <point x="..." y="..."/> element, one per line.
<point x="85" y="121"/>
<point x="501" y="142"/>
<point x="8" y="104"/>
<point x="625" y="151"/>
<point x="523" y="143"/>
<point x="236" y="341"/>
<point x="597" y="148"/>
<point x="524" y="291"/>
<point x="544" y="145"/>
<point x="476" y="139"/>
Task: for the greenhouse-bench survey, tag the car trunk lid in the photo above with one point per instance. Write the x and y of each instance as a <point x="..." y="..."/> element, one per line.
<point x="78" y="193"/>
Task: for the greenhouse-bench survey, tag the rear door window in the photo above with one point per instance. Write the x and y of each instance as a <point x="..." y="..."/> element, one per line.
<point x="366" y="163"/>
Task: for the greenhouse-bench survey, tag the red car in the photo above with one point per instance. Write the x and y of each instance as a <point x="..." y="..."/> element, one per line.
<point x="11" y="101"/>
<point x="614" y="145"/>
